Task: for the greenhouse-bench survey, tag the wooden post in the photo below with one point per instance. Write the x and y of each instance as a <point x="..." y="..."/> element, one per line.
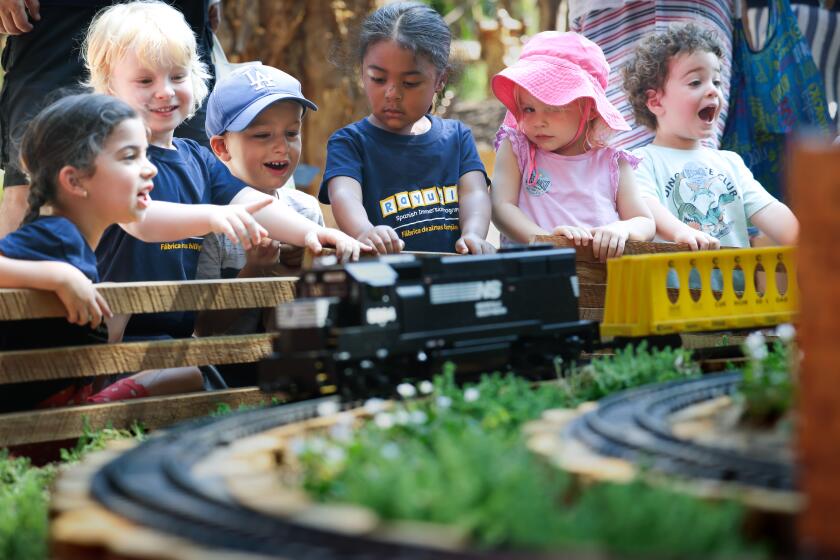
<point x="815" y="187"/>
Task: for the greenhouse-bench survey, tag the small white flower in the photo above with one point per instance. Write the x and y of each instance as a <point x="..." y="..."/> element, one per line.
<point x="390" y="451"/>
<point x="678" y="361"/>
<point x="384" y="420"/>
<point x="406" y="390"/>
<point x="374" y="406"/>
<point x="297" y="446"/>
<point x="342" y="430"/>
<point x="334" y="455"/>
<point x="426" y="387"/>
<point x="471" y="394"/>
<point x="786" y="332"/>
<point x="755" y="346"/>
<point x="443" y="401"/>
<point x="316" y="445"/>
<point x="401" y="417"/>
<point x="418" y="417"/>
<point x="327" y="408"/>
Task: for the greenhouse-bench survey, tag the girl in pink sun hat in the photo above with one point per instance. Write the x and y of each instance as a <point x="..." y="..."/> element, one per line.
<point x="555" y="172"/>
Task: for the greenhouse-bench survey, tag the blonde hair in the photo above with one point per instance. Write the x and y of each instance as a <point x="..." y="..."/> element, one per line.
<point x="597" y="132"/>
<point x="155" y="32"/>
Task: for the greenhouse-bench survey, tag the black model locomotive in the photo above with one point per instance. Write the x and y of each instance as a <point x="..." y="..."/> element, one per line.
<point x="361" y="328"/>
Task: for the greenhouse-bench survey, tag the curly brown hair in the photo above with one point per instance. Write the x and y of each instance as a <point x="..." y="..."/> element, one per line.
<point x="648" y="69"/>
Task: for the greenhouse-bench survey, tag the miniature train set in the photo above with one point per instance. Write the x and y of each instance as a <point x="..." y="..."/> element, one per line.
<point x="360" y="330"/>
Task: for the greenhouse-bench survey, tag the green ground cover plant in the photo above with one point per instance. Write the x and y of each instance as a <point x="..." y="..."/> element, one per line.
<point x="24" y="493"/>
<point x="769" y="386"/>
<point x="458" y="458"/>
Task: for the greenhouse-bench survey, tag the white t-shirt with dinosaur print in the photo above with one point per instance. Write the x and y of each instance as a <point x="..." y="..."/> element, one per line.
<point x="710" y="190"/>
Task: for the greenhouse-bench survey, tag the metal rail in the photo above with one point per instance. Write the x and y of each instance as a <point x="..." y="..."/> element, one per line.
<point x="634" y="425"/>
<point x="154" y="485"/>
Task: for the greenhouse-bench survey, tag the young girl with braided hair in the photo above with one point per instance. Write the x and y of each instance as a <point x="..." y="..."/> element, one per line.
<point x="86" y="159"/>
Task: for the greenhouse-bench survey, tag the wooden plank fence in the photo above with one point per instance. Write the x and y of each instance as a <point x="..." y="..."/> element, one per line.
<point x="153" y="297"/>
<point x="102" y="359"/>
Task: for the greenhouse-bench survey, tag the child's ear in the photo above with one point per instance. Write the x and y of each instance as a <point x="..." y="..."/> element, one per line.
<point x="441" y="81"/>
<point x="70" y="181"/>
<point x="654" y="101"/>
<point x="219" y="146"/>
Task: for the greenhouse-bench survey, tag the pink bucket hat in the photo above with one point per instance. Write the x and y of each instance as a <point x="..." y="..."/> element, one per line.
<point x="558" y="68"/>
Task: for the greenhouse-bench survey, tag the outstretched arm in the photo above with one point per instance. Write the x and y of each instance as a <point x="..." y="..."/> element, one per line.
<point x="284" y="224"/>
<point x="75" y="290"/>
<point x="168" y="221"/>
<point x="504" y="195"/>
<point x="474" y="209"/>
<point x="351" y="217"/>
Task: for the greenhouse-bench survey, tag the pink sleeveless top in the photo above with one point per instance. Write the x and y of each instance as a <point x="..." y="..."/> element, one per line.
<point x="569" y="190"/>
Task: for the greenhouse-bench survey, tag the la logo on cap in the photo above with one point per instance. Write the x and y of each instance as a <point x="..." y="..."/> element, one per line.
<point x="259" y="80"/>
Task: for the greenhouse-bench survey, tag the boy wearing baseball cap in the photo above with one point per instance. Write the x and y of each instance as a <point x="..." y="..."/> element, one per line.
<point x="254" y="119"/>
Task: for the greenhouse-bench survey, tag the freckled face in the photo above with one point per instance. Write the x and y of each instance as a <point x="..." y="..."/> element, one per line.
<point x="400" y="86"/>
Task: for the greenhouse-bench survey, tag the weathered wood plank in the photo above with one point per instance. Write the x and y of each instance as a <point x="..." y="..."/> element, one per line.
<point x="37" y="426"/>
<point x="630" y="248"/>
<point x="153" y="297"/>
<point x="102" y="359"/>
<point x="591" y="314"/>
<point x="592" y="295"/>
<point x="591" y="272"/>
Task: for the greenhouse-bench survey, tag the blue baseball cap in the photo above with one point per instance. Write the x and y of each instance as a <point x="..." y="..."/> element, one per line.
<point x="238" y="98"/>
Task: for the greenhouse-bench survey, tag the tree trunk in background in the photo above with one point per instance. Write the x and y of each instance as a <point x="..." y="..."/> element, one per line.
<point x="300" y="37"/>
<point x="548" y="13"/>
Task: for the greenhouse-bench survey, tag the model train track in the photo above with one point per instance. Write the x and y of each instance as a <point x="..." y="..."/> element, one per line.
<point x="155" y="485"/>
<point x="636" y="426"/>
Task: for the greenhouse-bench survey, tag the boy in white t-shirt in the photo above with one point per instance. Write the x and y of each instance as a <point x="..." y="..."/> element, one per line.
<point x="698" y="195"/>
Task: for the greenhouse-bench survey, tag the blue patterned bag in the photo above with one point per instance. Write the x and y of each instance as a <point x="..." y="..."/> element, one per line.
<point x="773" y="92"/>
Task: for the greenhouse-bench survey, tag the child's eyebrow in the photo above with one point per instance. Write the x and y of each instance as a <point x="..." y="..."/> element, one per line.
<point x="410" y="72"/>
<point x="700" y="69"/>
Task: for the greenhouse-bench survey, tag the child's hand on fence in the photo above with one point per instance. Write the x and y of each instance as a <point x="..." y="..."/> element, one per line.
<point x="608" y="241"/>
<point x="346" y="248"/>
<point x="580" y="236"/>
<point x="291" y="257"/>
<point x="696" y="239"/>
<point x="383" y="239"/>
<point x="261" y="257"/>
<point x="473" y="244"/>
<point x="81" y="300"/>
<point x="236" y="222"/>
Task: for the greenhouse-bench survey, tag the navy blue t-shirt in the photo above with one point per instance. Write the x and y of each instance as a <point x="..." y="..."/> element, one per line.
<point x="51" y="238"/>
<point x="409" y="182"/>
<point x="190" y="174"/>
<point x="48" y="238"/>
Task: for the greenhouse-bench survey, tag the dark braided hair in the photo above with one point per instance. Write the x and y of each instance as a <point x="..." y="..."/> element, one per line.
<point x="72" y="131"/>
<point x="412" y="26"/>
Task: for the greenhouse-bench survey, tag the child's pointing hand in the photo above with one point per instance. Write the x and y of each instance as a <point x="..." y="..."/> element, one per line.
<point x="237" y="223"/>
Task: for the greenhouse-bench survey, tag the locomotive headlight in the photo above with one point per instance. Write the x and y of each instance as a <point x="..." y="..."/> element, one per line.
<point x="380" y="315"/>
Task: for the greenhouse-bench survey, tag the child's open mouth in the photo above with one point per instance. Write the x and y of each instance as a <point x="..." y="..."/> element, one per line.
<point x="167" y="109"/>
<point x="277" y="165"/>
<point x="143" y="199"/>
<point x="707" y="113"/>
